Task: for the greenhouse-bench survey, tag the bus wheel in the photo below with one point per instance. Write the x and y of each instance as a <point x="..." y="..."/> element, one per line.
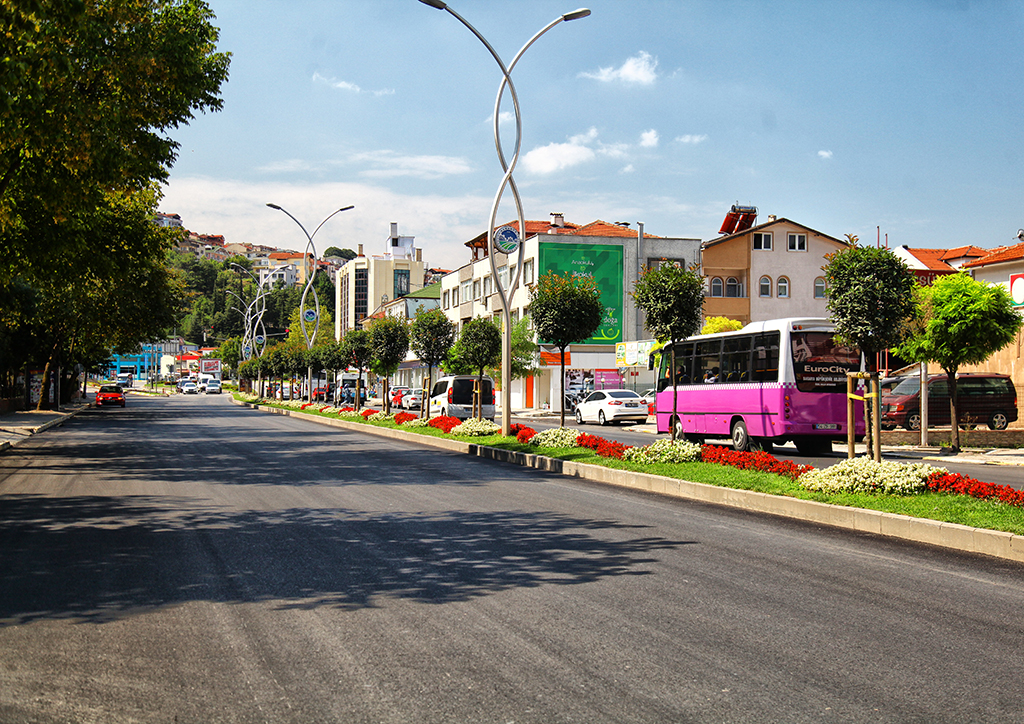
<point x="740" y="438"/>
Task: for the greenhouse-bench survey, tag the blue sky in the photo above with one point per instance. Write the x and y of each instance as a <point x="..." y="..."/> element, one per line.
<point x="848" y="117"/>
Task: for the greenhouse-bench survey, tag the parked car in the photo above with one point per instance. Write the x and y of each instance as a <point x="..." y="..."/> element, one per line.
<point x="411" y="400"/>
<point x="190" y="388"/>
<point x="987" y="398"/>
<point x="212" y="387"/>
<point x="397" y="392"/>
<point x="607" y="406"/>
<point x="453" y="396"/>
<point x="110" y="395"/>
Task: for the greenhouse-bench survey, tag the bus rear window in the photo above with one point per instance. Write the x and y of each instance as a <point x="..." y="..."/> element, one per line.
<point x="819" y="364"/>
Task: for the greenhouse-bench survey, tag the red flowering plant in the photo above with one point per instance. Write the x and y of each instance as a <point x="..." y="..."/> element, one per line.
<point x="604" y="448"/>
<point x="445" y="423"/>
<point x="514" y="429"/>
<point x="956" y="484"/>
<point x="404" y="417"/>
<point x="757" y="460"/>
<point x="367" y="412"/>
<point x="525" y="434"/>
<point x="346" y="409"/>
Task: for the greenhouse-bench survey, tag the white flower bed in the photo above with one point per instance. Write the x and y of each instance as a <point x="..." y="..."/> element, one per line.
<point x="349" y="415"/>
<point x="555" y="437"/>
<point x="418" y="422"/>
<point x="664" y="451"/>
<point x="476" y="426"/>
<point x="380" y="417"/>
<point x="864" y="475"/>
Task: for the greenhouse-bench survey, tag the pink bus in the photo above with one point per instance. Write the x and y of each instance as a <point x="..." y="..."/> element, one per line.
<point x="771" y="382"/>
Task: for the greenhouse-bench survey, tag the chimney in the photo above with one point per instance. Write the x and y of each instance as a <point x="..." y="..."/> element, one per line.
<point x="394" y="229"/>
<point x="772" y="217"/>
<point x="558" y="220"/>
<point x="419" y="254"/>
<point x="360" y="250"/>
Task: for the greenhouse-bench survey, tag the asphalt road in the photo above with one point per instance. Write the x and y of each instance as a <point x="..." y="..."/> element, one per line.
<point x="186" y="560"/>
<point x="1012" y="476"/>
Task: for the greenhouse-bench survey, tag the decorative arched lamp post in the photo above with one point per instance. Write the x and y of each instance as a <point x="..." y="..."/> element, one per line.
<point x="310" y="314"/>
<point x="254" y="339"/>
<point x="506" y="240"/>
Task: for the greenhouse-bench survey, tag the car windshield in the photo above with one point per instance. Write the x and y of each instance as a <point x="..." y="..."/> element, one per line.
<point x="623" y="394"/>
<point x="909" y="386"/>
<point x="110" y="388"/>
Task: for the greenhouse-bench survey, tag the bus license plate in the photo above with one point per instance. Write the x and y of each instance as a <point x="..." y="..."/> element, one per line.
<point x="826" y="426"/>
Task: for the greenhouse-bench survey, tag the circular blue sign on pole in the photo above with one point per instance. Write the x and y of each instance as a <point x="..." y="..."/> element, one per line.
<point x="506" y="240"/>
<point x="309" y="315"/>
<point x="260" y="339"/>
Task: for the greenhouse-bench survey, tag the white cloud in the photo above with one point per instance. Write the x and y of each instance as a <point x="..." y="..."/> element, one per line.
<point x="627" y="169"/>
<point x="388" y="164"/>
<point x="824" y="154"/>
<point x="556" y="156"/>
<point x="649" y="139"/>
<point x="347" y="86"/>
<point x="289" y="165"/>
<point x="692" y="139"/>
<point x="638" y="70"/>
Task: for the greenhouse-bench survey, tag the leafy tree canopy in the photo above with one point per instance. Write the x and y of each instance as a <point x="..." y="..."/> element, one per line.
<point x="716" y="325"/>
<point x="672" y="300"/>
<point x="336" y="252"/>
<point x="566" y="309"/>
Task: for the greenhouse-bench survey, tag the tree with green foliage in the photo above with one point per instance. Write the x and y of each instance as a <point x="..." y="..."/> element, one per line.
<point x="672" y="300"/>
<point x="717" y="325"/>
<point x="431" y="336"/>
<point x="333" y="251"/>
<point x="960" y="321"/>
<point x="478" y="347"/>
<point x="357" y="349"/>
<point x="869" y="293"/>
<point x="389" y="339"/>
<point x="566" y="309"/>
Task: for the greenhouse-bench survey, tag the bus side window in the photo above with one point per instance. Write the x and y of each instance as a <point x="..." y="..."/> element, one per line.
<point x="766" y="358"/>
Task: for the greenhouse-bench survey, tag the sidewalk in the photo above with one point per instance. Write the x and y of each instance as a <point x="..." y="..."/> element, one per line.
<point x="16" y="427"/>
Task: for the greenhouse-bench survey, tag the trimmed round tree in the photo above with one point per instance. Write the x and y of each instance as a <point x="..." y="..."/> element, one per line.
<point x="478" y="347"/>
<point x="389" y="340"/>
<point x="358" y="351"/>
<point x="672" y="300"/>
<point x="566" y="309"/>
<point x="431" y="336"/>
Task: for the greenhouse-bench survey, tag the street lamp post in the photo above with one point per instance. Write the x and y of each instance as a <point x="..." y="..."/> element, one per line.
<point x="310" y="314"/>
<point x="506" y="240"/>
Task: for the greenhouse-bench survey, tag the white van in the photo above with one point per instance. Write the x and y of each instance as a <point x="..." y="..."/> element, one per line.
<point x="453" y="396"/>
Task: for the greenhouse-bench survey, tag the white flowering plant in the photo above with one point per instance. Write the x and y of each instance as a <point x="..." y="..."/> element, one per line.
<point x="864" y="475"/>
<point x="664" y="451"/>
<point x="476" y="427"/>
<point x="555" y="437"/>
<point x="418" y="422"/>
<point x="381" y="417"/>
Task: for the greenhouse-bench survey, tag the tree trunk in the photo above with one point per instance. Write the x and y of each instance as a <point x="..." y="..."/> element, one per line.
<point x="44" y="388"/>
<point x="674" y="379"/>
<point x="954" y="438"/>
<point x="561" y="403"/>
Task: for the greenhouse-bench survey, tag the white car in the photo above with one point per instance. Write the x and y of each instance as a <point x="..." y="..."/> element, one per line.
<point x="411" y="400"/>
<point x="189" y="388"/>
<point x="213" y="387"/>
<point x="606" y="406"/>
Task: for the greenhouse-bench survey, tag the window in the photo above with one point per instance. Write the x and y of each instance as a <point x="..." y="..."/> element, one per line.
<point x="766" y="286"/>
<point x="716" y="287"/>
<point x="455" y="297"/>
<point x="361" y="292"/>
<point x="763" y="242"/>
<point x="819" y="288"/>
<point x="401" y="282"/>
<point x="447" y="298"/>
<point x="487" y="286"/>
<point x="782" y="288"/>
<point x="798" y="242"/>
<point x="732" y="287"/>
<point x="528" y="272"/>
<point x="503" y="276"/>
<point x="476" y="289"/>
<point x="466" y="291"/>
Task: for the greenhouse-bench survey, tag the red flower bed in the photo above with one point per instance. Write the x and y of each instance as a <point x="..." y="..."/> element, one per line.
<point x="758" y="460"/>
<point x="404" y="417"/>
<point x="447" y="423"/>
<point x="604" y="448"/>
<point x="514" y="429"/>
<point x="957" y="484"/>
<point x="346" y="409"/>
<point x="367" y="412"/>
<point x="305" y="405"/>
<point x="525" y="433"/>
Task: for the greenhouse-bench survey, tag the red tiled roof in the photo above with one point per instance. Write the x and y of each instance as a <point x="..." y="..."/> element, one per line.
<point x="931" y="258"/>
<point x="962" y="252"/>
<point x="772" y="222"/>
<point x="997" y="256"/>
<point x="594" y="228"/>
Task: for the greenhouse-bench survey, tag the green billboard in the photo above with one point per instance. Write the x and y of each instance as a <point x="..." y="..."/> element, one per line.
<point x="601" y="261"/>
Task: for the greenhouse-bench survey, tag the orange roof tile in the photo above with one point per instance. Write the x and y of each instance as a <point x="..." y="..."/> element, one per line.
<point x="962" y="252"/>
<point x="931" y="258"/>
<point x="1000" y="255"/>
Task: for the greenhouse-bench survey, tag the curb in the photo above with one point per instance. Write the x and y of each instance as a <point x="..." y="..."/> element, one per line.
<point x="919" y="530"/>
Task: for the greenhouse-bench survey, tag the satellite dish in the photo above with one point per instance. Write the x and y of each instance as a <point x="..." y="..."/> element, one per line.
<point x="1020" y="234"/>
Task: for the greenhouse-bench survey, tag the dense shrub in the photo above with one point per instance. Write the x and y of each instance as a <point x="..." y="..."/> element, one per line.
<point x="445" y="423"/>
<point x="943" y="481"/>
<point x="864" y="475"/>
<point x="758" y="460"/>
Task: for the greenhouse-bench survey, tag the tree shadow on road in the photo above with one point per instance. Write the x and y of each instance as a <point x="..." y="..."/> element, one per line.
<point x="98" y="559"/>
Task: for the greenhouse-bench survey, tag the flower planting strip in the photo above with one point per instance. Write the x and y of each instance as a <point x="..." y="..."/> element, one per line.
<point x="920" y="530"/>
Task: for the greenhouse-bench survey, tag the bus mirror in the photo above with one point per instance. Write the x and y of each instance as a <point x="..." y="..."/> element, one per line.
<point x="650" y="362"/>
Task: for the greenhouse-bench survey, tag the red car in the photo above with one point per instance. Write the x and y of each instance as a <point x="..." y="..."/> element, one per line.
<point x="110" y="395"/>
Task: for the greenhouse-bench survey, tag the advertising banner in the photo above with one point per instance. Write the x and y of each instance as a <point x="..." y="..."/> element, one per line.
<point x="209" y="366"/>
<point x="1017" y="289"/>
<point x="604" y="262"/>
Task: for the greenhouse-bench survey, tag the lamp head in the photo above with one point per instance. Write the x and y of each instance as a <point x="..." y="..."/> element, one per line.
<point x="435" y="4"/>
<point x="574" y="15"/>
<point x="274" y="206"/>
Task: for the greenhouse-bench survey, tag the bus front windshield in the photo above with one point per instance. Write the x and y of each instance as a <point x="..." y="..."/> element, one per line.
<point x="820" y="364"/>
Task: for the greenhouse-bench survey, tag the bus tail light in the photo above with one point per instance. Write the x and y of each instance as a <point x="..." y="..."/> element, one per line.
<point x="787" y="401"/>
